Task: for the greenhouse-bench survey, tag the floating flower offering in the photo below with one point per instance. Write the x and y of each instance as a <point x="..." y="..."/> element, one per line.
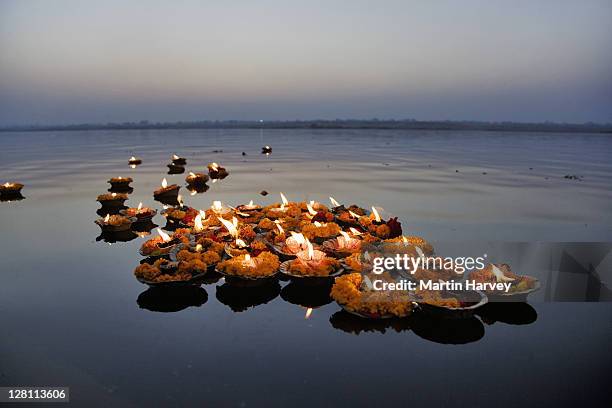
<point x="120" y="183"/>
<point x="133" y="161"/>
<point x="162" y="244"/>
<point x="355" y="293"/>
<point x="311" y="263"/>
<point x="163" y="272"/>
<point x="142" y="214"/>
<point x="343" y="246"/>
<point x="264" y="265"/>
<point x="266" y="150"/>
<point x="166" y="191"/>
<point x="196" y="178"/>
<point x="115" y="223"/>
<point x="8" y="189"/>
<point x="492" y="274"/>
<point x="216" y="172"/>
<point x="178" y="161"/>
<point x="112" y="199"/>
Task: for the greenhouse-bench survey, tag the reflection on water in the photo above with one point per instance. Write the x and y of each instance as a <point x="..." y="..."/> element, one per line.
<point x="240" y="298"/>
<point x="172" y="299"/>
<point x="352" y="324"/>
<point x="307" y="295"/>
<point x="447" y="331"/>
<point x="7" y="198"/>
<point x="121" y="236"/>
<point x="509" y="313"/>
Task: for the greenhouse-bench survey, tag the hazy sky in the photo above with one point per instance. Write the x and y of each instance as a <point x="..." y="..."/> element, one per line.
<point x="86" y="61"/>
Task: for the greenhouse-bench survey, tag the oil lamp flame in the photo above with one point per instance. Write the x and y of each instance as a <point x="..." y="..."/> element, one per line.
<point x="191" y="174"/>
<point x="214" y="166"/>
<point x="354" y="231"/>
<point x="334" y="202"/>
<point x="132" y="158"/>
<point x="250" y="203"/>
<point x="499" y="275"/>
<point x="175" y="157"/>
<point x="198" y="248"/>
<point x="248" y="261"/>
<point x="230" y="226"/>
<point x="310" y="250"/>
<point x="376" y="215"/>
<point x="162" y="234"/>
<point x="180" y="200"/>
<point x="280" y="229"/>
<point x="140" y="206"/>
<point x="197" y="223"/>
<point x="308" y="313"/>
<point x="352" y="214"/>
<point x="311" y="210"/>
<point x="164" y="183"/>
<point x="217" y="206"/>
<point x="284" y="200"/>
<point x="317" y="224"/>
<point x="240" y="243"/>
<point x="114" y="195"/>
<point x="106" y="218"/>
<point x="298" y="237"/>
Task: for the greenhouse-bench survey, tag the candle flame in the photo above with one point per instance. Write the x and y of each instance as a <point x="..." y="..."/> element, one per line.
<point x="132" y="158"/>
<point x="164" y="236"/>
<point x="280" y="229"/>
<point x="499" y="275"/>
<point x="376" y="215"/>
<point x="248" y="261"/>
<point x="308" y="313"/>
<point x="175" y="157"/>
<point x="310" y="250"/>
<point x="317" y="224"/>
<point x="193" y="192"/>
<point x="354" y="231"/>
<point x="298" y="237"/>
<point x="334" y="202"/>
<point x="180" y="200"/>
<point x="140" y="206"/>
<point x="191" y="174"/>
<point x="405" y="240"/>
<point x="197" y="223"/>
<point x="240" y="243"/>
<point x="352" y="214"/>
<point x="251" y="203"/>
<point x="114" y="195"/>
<point x="230" y="226"/>
<point x="198" y="248"/>
<point x="106" y="218"/>
<point x="284" y="199"/>
<point x="217" y="206"/>
<point x="214" y="166"/>
<point x="164" y="183"/>
<point x="311" y="210"/>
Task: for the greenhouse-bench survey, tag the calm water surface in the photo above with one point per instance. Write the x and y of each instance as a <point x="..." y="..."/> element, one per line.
<point x="73" y="314"/>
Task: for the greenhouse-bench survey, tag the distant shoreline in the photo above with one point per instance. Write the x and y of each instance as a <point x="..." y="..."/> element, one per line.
<point x="328" y="124"/>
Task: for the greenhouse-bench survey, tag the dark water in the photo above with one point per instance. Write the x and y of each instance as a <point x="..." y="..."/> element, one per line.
<point x="73" y="315"/>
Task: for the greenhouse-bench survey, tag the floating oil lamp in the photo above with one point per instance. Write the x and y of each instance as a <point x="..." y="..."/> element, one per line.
<point x="295" y="243"/>
<point x="266" y="150"/>
<point x="198" y="222"/>
<point x="336" y="206"/>
<point x="142" y="214"/>
<point x="376" y="217"/>
<point x="230" y="226"/>
<point x="115" y="223"/>
<point x="311" y="263"/>
<point x="249" y="207"/>
<point x="342" y="246"/>
<point x="219" y="209"/>
<point x="196" y="178"/>
<point x="112" y="199"/>
<point x="166" y="192"/>
<point x="120" y="183"/>
<point x="133" y="162"/>
<point x="216" y="172"/>
<point x="279" y="211"/>
<point x="10" y="189"/>
<point x="178" y="161"/>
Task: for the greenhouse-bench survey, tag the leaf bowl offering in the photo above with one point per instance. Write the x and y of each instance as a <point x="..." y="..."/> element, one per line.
<point x="449" y="304"/>
<point x="115" y="223"/>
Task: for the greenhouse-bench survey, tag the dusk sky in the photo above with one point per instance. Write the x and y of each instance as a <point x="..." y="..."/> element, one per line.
<point x="75" y="61"/>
